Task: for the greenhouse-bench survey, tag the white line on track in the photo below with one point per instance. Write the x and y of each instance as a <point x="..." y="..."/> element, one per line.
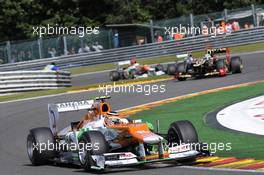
<point x="35" y="98"/>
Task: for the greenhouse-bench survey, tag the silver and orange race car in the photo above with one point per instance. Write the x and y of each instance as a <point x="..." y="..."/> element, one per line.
<point x="131" y="69"/>
<point x="104" y="139"/>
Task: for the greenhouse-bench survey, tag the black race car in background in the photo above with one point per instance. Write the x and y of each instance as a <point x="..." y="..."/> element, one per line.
<point x="211" y="65"/>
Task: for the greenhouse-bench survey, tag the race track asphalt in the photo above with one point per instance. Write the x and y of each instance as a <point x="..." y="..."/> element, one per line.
<point x="18" y="117"/>
<point x="90" y="78"/>
<point x="103" y="76"/>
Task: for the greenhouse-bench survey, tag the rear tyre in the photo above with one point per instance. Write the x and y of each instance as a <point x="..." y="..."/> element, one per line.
<point x="181" y="69"/>
<point x="236" y="65"/>
<point x="99" y="146"/>
<point x="171" y="69"/>
<point x="182" y="132"/>
<point x="44" y="139"/>
<point x="114" y="76"/>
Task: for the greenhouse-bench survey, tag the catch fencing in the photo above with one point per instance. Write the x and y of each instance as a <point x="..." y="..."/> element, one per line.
<point x="47" y="46"/>
<point x="196" y="43"/>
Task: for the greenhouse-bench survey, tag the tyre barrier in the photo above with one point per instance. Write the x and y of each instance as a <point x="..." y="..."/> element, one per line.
<point x="21" y="81"/>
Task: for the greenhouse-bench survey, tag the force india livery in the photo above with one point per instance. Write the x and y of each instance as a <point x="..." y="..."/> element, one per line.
<point x="130" y="69"/>
<point x="105" y="139"/>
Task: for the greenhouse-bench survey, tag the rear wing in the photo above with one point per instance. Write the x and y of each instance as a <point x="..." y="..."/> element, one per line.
<point x="122" y="63"/>
<point x="221" y="50"/>
<point x="181" y="55"/>
<point x="218" y="50"/>
<point x="55" y="109"/>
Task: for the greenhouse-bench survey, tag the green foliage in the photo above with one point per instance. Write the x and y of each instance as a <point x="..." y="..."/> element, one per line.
<point x="18" y="17"/>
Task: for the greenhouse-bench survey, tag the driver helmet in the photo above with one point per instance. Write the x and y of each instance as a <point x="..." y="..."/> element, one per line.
<point x="207" y="56"/>
<point x="189" y="54"/>
<point x="123" y="121"/>
<point x="133" y="61"/>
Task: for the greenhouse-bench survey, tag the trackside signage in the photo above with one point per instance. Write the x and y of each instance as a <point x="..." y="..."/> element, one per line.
<point x="74" y="105"/>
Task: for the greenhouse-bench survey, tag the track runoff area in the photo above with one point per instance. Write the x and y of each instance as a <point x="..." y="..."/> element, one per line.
<point x="246" y="117"/>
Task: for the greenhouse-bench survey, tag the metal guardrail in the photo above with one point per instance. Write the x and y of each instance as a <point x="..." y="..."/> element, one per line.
<point x="196" y="43"/>
<point x="20" y="81"/>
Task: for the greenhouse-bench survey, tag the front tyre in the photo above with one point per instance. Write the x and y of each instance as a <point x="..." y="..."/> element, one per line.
<point x="182" y="132"/>
<point x="221" y="67"/>
<point x="181" y="69"/>
<point x="220" y="64"/>
<point x="171" y="69"/>
<point x="114" y="76"/>
<point x="182" y="78"/>
<point x="98" y="145"/>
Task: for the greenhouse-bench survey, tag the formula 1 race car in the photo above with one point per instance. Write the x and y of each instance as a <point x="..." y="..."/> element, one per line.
<point x="130" y="69"/>
<point x="107" y="139"/>
<point x="172" y="67"/>
<point x="210" y="65"/>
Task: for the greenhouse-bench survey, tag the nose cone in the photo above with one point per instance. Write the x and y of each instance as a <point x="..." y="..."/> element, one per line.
<point x="152" y="139"/>
<point x="142" y="133"/>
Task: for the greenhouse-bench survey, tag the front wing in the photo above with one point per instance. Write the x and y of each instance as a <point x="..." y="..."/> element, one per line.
<point x="126" y="159"/>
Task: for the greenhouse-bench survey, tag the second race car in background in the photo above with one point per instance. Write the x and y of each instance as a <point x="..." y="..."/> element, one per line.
<point x="130" y="69"/>
<point x="210" y="65"/>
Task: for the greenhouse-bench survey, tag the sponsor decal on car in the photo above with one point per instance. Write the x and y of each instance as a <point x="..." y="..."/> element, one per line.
<point x="179" y="148"/>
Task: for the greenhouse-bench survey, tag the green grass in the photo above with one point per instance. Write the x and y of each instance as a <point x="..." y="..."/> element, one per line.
<point x="163" y="59"/>
<point x="195" y="110"/>
<point x="25" y="95"/>
<point x="109" y="66"/>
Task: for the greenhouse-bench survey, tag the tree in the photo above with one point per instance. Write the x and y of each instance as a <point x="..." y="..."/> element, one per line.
<point x="17" y="18"/>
